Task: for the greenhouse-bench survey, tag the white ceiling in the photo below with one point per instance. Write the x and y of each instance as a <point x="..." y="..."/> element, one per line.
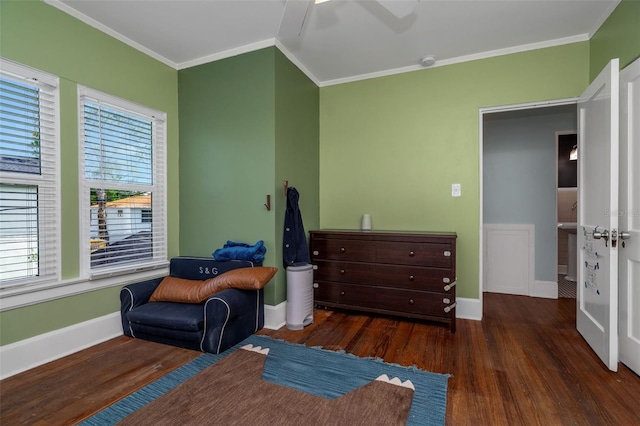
<point x="342" y="40"/>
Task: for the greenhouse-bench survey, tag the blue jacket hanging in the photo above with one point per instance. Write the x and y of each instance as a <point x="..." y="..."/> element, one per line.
<point x="294" y="241"/>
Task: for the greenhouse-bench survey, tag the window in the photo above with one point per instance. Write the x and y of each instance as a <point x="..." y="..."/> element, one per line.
<point x="146" y="216"/>
<point x="28" y="175"/>
<point x="123" y="184"/>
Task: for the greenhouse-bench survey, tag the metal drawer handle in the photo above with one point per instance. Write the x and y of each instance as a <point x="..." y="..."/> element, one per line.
<point x="411" y="278"/>
<point x="446" y="280"/>
<point x="342" y="249"/>
<point x="411" y="254"/>
<point x="449" y="286"/>
<point x="315" y="285"/>
<point x="446" y="300"/>
<point x="342" y="271"/>
<point x="448" y="309"/>
<point x="411" y="301"/>
<point x="342" y="293"/>
<point x="316" y="252"/>
<point x="447" y="253"/>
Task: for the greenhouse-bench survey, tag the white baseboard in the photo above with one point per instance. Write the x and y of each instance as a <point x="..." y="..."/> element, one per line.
<point x="32" y="352"/>
<point x="275" y="317"/>
<point x="546" y="289"/>
<point x="469" y="308"/>
<point x="29" y="353"/>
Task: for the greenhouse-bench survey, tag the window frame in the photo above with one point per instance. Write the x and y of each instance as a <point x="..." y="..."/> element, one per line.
<point x="47" y="181"/>
<point x="158" y="186"/>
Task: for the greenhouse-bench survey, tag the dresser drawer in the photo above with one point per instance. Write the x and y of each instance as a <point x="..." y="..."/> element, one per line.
<point x="418" y="254"/>
<point x="352" y="250"/>
<point x="413" y="277"/>
<point x="417" y="302"/>
<point x="386" y="272"/>
<point x="333" y="270"/>
<point x="347" y="294"/>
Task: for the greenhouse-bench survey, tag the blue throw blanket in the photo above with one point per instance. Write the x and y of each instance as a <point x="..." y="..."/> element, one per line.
<point x="241" y="251"/>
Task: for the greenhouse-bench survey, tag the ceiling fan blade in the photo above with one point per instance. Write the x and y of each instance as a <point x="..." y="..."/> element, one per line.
<point x="400" y="8"/>
<point x="295" y="13"/>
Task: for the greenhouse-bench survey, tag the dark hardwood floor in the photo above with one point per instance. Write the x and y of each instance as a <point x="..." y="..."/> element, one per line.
<point x="524" y="364"/>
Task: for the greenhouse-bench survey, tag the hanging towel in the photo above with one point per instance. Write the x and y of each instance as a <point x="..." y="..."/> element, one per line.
<point x="295" y="251"/>
<point x="241" y="251"/>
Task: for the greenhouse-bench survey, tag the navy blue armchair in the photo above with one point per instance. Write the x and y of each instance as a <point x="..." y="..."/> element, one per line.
<point x="215" y="325"/>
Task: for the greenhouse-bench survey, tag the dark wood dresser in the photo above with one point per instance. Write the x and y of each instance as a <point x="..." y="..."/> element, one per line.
<point x="410" y="274"/>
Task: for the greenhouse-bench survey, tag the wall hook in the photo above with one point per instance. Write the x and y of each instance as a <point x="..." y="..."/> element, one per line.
<point x="286" y="187"/>
<point x="268" y="204"/>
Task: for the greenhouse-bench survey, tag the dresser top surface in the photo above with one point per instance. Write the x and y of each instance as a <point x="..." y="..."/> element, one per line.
<point x="358" y="232"/>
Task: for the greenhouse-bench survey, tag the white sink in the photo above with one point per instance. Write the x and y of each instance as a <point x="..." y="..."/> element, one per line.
<point x="570" y="227"/>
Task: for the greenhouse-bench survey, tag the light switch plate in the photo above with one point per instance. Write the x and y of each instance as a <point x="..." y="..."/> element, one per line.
<point x="456" y="191"/>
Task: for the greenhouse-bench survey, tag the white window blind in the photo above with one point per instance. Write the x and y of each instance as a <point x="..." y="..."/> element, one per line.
<point x="28" y="175"/>
<point x="123" y="184"/>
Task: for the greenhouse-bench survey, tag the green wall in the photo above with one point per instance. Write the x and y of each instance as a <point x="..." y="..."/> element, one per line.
<point x="392" y="146"/>
<point x="243" y="120"/>
<point x="618" y="37"/>
<point x="38" y="35"/>
<point x="226" y="153"/>
<point x="297" y="152"/>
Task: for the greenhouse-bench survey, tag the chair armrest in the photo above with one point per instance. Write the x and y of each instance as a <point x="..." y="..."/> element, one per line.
<point x="231" y="316"/>
<point x="133" y="295"/>
<point x="139" y="293"/>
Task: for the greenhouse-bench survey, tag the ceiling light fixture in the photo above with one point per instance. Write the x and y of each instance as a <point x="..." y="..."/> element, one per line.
<point x="427" y="61"/>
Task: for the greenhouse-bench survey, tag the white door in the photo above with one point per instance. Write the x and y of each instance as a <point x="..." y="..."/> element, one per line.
<point x="597" y="296"/>
<point x="629" y="214"/>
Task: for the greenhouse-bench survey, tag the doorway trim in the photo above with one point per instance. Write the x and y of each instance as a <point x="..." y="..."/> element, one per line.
<point x="481" y="113"/>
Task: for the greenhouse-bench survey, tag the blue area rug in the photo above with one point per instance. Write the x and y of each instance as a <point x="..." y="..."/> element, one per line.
<point x="313" y="370"/>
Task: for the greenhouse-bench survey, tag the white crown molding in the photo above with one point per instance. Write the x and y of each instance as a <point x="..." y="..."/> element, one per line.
<point x="250" y="48"/>
<point x="290" y="56"/>
<point x="274" y="42"/>
<point x="376" y="74"/>
<point x="101" y="27"/>
<point x="515" y="49"/>
<point x="227" y="54"/>
<point x="604" y="17"/>
<point x="460" y="59"/>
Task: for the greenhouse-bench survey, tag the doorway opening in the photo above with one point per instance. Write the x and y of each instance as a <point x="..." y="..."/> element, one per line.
<point x="567" y="210"/>
<point x="518" y="196"/>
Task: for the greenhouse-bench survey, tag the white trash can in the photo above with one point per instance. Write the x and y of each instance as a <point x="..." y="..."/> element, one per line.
<point x="299" y="296"/>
